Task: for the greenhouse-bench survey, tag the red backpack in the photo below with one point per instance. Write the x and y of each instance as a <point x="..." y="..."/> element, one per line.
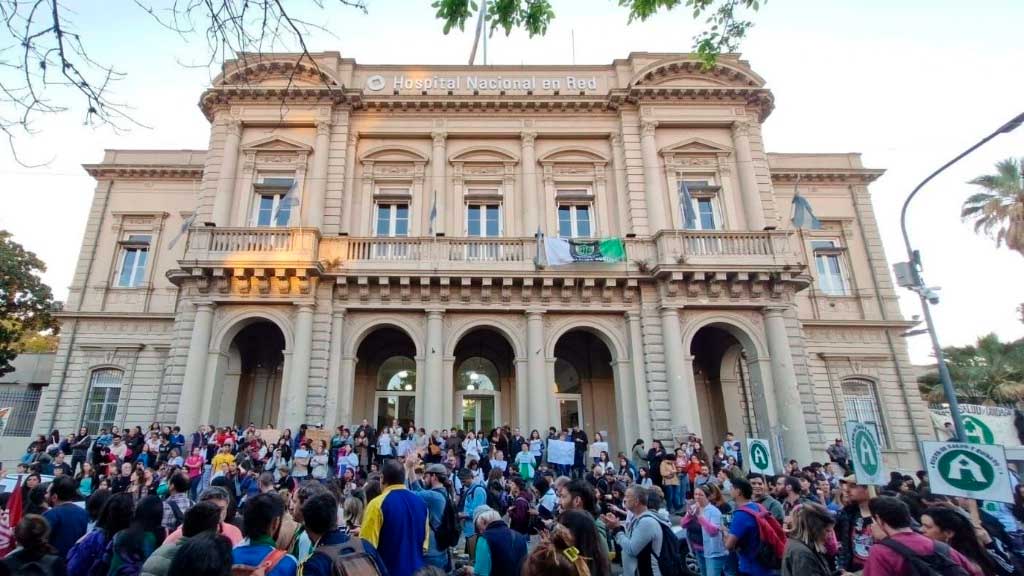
<point x="772" y="537"/>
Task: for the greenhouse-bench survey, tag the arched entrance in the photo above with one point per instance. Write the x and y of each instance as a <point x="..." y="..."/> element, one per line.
<point x="585" y="386"/>
<point x="483" y="380"/>
<point x="385" y="378"/>
<point x="249" y="374"/>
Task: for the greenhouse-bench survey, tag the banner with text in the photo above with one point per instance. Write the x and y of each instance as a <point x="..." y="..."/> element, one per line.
<point x="968" y="470"/>
<point x="984" y="424"/>
<point x="561" y="251"/>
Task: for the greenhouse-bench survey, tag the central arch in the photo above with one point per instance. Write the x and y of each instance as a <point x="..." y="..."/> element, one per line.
<point x="386" y="377"/>
<point x="585" y="384"/>
<point x="484" y="379"/>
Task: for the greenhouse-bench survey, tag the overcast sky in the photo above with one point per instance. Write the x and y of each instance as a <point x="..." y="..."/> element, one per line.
<point x="908" y="84"/>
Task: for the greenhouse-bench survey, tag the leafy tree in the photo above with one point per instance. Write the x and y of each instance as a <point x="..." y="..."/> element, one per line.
<point x="724" y="29"/>
<point x="25" y="302"/>
<point x="1000" y="208"/>
<point x="990" y="370"/>
<point x="37" y="343"/>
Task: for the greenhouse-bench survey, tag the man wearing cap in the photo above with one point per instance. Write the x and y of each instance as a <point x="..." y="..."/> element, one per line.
<point x="474" y="495"/>
<point x="431" y="487"/>
<point x="853" y="526"/>
<point x="839" y="454"/>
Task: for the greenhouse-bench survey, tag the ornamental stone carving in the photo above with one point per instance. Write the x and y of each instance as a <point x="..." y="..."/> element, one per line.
<point x="647" y="127"/>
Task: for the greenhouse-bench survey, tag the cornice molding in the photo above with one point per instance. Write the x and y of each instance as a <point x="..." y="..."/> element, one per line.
<point x="148" y="171"/>
<point x="850" y="175"/>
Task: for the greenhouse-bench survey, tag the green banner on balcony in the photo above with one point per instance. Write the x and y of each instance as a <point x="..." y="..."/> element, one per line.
<point x="560" y="251"/>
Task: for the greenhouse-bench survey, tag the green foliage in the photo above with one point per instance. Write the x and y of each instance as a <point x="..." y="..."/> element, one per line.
<point x="724" y="26"/>
<point x="989" y="371"/>
<point x="999" y="210"/>
<point x="25" y="302"/>
<point x="36" y="343"/>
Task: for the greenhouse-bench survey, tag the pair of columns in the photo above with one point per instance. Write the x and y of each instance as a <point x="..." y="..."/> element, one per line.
<point x="201" y="371"/>
<point x="782" y="408"/>
<point x="656" y="198"/>
<point x="312" y="202"/>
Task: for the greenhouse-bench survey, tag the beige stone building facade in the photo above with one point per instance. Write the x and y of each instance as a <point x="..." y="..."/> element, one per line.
<point x="402" y="280"/>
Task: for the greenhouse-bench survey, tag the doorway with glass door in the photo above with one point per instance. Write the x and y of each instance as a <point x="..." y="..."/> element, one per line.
<point x="483" y="380"/>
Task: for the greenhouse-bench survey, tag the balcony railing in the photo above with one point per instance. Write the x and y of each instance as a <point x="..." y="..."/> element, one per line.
<point x="252" y="245"/>
<point x="436" y="249"/>
<point x="681" y="245"/>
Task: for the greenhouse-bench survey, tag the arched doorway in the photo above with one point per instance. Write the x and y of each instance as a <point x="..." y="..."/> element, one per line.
<point x="722" y="383"/>
<point x="251" y="388"/>
<point x="484" y="378"/>
<point x="385" y="378"/>
<point x="585" y="386"/>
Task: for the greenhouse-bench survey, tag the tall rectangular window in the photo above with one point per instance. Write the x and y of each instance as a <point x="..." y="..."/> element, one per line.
<point x="860" y="401"/>
<point x="698" y="206"/>
<point x="483" y="220"/>
<point x="828" y="262"/>
<point x="101" y="402"/>
<point x="392" y="220"/>
<point x="574" y="221"/>
<point x="134" y="256"/>
<point x="273" y="203"/>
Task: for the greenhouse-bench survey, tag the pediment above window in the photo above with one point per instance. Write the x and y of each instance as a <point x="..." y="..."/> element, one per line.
<point x="484" y="155"/>
<point x="574" y="155"/>
<point x="696" y="146"/>
<point x="692" y="72"/>
<point x="277" y="144"/>
<point x="393" y="153"/>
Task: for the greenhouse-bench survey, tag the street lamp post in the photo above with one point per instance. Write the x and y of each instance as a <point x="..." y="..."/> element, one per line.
<point x="908" y="275"/>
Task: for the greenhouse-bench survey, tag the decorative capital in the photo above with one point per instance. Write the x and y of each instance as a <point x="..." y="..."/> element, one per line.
<point x="204" y="305"/>
<point x="353" y="137"/>
<point x="741" y="128"/>
<point x="616" y="138"/>
<point x="529" y="137"/>
<point x="647" y="127"/>
<point x="439" y="137"/>
<point x="234" y="126"/>
<point x="323" y="128"/>
<point x="775" y="310"/>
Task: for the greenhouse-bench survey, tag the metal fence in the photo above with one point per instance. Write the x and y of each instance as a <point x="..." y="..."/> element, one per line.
<point x="23" y="403"/>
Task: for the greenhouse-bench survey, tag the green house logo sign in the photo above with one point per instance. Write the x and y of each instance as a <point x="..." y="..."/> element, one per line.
<point x="585" y="251"/>
<point x="977" y="431"/>
<point x="965" y="470"/>
<point x="866" y="450"/>
<point x="759" y="456"/>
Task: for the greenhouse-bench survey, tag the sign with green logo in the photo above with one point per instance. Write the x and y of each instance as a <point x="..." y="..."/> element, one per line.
<point x="760" y="456"/>
<point x="867" y="454"/>
<point x="983" y="424"/>
<point x="968" y="470"/>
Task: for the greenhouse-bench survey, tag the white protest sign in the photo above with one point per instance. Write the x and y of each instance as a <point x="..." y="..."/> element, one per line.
<point x="983" y="424"/>
<point x="760" y="456"/>
<point x="536" y="447"/>
<point x="867" y="454"/>
<point x="969" y="470"/>
<point x="597" y="447"/>
<point x="561" y="452"/>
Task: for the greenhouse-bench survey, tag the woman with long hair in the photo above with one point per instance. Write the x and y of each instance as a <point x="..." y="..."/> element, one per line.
<point x="556" y="555"/>
<point x="86" y="556"/>
<point x="86" y="479"/>
<point x="33" y="536"/>
<point x="133" y="545"/>
<point x="206" y="554"/>
<point x="806" y="549"/>
<point x="587" y="540"/>
<point x="954" y="528"/>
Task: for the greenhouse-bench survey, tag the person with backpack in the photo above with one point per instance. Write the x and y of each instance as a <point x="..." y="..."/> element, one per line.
<point x="177" y="502"/>
<point x="396" y="522"/>
<point x="754" y="533"/>
<point x="203" y="517"/>
<point x="336" y="552"/>
<point x="474" y="495"/>
<point x="649" y="548"/>
<point x="260" y="556"/>
<point x="87" y="556"/>
<point x="444" y="532"/>
<point x="899" y="551"/>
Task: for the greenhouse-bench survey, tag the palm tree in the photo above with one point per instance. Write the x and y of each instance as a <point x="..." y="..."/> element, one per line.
<point x="989" y="371"/>
<point x="1000" y="207"/>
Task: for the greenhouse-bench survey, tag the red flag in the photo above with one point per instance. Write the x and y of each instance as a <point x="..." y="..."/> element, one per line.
<point x="14" y="514"/>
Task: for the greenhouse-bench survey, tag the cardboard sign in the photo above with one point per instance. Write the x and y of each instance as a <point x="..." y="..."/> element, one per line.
<point x="969" y="470"/>
<point x="561" y="452"/>
<point x="315" y="435"/>
<point x="760" y="456"/>
<point x="5" y="415"/>
<point x="269" y="435"/>
<point x="867" y="454"/>
<point x="597" y="447"/>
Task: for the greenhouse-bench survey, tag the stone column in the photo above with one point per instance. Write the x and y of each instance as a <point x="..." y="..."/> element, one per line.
<point x="621" y="187"/>
<point x="522" y="396"/>
<point x="539" y="392"/>
<point x="654" y="180"/>
<point x="439" y="182"/>
<point x="334" y="373"/>
<point x="625" y="399"/>
<point x="532" y="206"/>
<point x="348" y="221"/>
<point x="192" y="393"/>
<point x="433" y="385"/>
<point x="346" y="390"/>
<point x="314" y="203"/>
<point x="293" y="409"/>
<point x="790" y="409"/>
<point x="752" y="208"/>
<point x="636" y="352"/>
<point x="228" y="166"/>
<point x="682" y="393"/>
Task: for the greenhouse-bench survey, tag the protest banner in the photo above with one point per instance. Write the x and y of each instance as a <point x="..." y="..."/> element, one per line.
<point x="561" y="452"/>
<point x="867" y="454"/>
<point x="968" y="470"/>
<point x="760" y="456"/>
<point x="984" y="424"/>
<point x="597" y="447"/>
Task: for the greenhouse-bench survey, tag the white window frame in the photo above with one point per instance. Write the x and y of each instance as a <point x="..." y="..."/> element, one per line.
<point x="713" y="197"/>
<point x="136" y="247"/>
<point x="392" y="218"/>
<point x="864" y="407"/>
<point x="574" y="221"/>
<point x="276" y="202"/>
<point x="97" y="381"/>
<point x="482" y="206"/>
<point x="822" y="255"/>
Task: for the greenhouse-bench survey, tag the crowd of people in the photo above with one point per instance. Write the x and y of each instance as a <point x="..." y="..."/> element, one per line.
<point x="402" y="502"/>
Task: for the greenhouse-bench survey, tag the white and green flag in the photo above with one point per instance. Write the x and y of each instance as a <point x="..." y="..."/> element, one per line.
<point x="867" y="454"/>
<point x="560" y="251"/>
<point x="760" y="456"/>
